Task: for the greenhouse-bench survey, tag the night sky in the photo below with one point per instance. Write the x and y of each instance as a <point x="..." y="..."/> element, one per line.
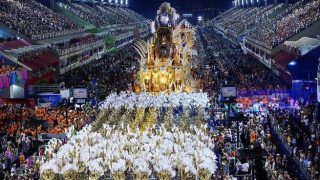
<point x="148" y="7"/>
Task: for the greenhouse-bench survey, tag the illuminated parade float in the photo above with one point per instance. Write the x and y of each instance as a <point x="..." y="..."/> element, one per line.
<point x="158" y="131"/>
<point x="166" y="59"/>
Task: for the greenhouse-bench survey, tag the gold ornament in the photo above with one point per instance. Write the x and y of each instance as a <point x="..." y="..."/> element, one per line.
<point x="164" y="175"/>
<point x="48" y="174"/>
<point x="204" y="174"/>
<point x="140" y="176"/>
<point x="118" y="176"/>
<point x="70" y="175"/>
<point x="94" y="176"/>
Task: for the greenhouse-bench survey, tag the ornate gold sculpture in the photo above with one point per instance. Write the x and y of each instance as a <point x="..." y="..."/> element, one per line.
<point x="48" y="175"/>
<point x="165" y="64"/>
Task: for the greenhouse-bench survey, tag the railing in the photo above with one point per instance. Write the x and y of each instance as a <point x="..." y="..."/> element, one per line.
<point x="90" y="45"/>
<point x="56" y="34"/>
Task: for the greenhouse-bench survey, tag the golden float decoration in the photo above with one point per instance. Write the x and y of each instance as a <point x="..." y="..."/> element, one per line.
<point x="119" y="175"/>
<point x="187" y="175"/>
<point x="164" y="175"/>
<point x="71" y="175"/>
<point x="140" y="176"/>
<point x="94" y="176"/>
<point x="48" y="174"/>
<point x="204" y="174"/>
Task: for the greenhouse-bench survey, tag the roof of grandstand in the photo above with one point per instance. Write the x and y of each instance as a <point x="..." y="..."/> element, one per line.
<point x="306" y="44"/>
<point x="309" y="64"/>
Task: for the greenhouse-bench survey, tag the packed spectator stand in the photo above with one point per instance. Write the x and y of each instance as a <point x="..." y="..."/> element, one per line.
<point x="20" y="132"/>
<point x="271" y="24"/>
<point x="35" y="20"/>
<point x="103" y="16"/>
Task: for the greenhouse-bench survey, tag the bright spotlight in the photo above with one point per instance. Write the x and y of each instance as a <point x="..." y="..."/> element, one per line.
<point x="293" y="63"/>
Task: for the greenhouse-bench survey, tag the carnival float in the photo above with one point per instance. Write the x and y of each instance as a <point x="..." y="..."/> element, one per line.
<point x="166" y="58"/>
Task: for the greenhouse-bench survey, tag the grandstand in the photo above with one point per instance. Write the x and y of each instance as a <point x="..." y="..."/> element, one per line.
<point x="51" y="38"/>
<point x="263" y="31"/>
<point x="55" y="38"/>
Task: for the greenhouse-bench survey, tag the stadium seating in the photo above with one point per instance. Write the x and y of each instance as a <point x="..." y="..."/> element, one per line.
<point x="270" y="24"/>
<point x="31" y="18"/>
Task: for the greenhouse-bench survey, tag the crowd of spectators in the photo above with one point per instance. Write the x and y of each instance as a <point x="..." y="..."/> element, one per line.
<point x="33" y="19"/>
<point x="299" y="130"/>
<point x="20" y="119"/>
<point x="77" y="43"/>
<point x="18" y="157"/>
<point x="109" y="74"/>
<point x="297" y="125"/>
<point x="270" y="24"/>
<point x="102" y="16"/>
<point x="230" y="67"/>
<point x="237" y="22"/>
<point x="7" y="69"/>
<point x="255" y="133"/>
<point x="20" y="127"/>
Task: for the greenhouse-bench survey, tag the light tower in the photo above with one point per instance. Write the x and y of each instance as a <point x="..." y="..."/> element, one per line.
<point x="200" y="20"/>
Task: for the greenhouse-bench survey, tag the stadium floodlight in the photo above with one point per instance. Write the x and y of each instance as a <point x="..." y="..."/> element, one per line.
<point x="200" y="18"/>
<point x="116" y="1"/>
<point x="110" y="1"/>
<point x="127" y="2"/>
<point x="121" y="2"/>
<point x="252" y="2"/>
